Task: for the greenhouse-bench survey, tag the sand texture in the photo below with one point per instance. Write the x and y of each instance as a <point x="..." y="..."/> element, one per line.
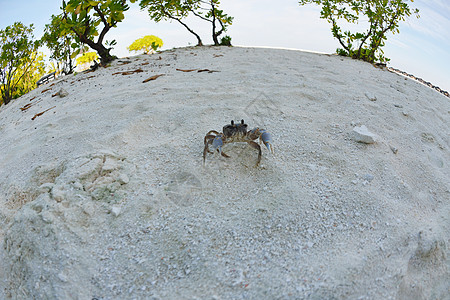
<point x="103" y="191"/>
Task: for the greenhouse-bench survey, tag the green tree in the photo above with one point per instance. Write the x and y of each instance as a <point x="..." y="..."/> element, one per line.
<point x="61" y="44"/>
<point x="29" y="75"/>
<point x="178" y="10"/>
<point x="83" y="17"/>
<point x="162" y="10"/>
<point x="383" y="16"/>
<point x="18" y="57"/>
<point x="211" y="13"/>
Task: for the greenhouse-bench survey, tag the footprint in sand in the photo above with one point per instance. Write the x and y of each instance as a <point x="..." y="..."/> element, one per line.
<point x="184" y="188"/>
<point x="434" y="155"/>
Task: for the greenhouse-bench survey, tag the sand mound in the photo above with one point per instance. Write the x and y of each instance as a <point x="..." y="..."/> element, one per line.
<point x="104" y="194"/>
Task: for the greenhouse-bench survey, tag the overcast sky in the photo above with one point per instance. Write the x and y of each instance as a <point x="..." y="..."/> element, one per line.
<point x="422" y="48"/>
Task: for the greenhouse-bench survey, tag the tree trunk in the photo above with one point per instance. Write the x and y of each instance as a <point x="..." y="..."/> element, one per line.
<point x="214" y="34"/>
<point x="105" y="56"/>
<point x="199" y="40"/>
<point x="6" y="99"/>
<point x="8" y="86"/>
<point x="103" y="52"/>
<point x="7" y="96"/>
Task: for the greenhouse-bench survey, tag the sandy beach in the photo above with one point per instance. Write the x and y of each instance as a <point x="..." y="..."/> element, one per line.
<point x="104" y="194"/>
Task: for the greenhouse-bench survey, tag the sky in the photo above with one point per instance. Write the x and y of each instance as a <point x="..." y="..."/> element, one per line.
<point x="422" y="48"/>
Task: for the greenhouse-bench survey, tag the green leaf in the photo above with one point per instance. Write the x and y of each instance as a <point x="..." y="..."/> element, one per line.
<point x="75" y="53"/>
<point x="359" y="36"/>
<point x="93" y="3"/>
<point x="70" y="8"/>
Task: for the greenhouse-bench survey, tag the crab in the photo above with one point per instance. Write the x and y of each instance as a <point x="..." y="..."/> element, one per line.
<point x="234" y="133"/>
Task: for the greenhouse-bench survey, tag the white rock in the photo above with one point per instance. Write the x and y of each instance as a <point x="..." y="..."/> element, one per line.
<point x="393" y="149"/>
<point x="115" y="210"/>
<point x="371" y="97"/>
<point x="62" y="93"/>
<point x="123" y="179"/>
<point x="363" y="135"/>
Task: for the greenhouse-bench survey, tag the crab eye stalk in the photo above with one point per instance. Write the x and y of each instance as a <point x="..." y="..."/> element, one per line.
<point x="242" y="121"/>
<point x="232" y="122"/>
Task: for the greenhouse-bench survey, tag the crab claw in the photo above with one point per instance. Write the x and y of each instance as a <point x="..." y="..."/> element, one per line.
<point x="218" y="143"/>
<point x="267" y="140"/>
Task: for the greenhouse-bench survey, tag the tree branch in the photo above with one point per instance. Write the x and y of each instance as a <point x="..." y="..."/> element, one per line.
<point x="199" y="41"/>
<point x="366" y="37"/>
<point x="337" y="35"/>
<point x="200" y="16"/>
<point x="26" y="69"/>
<point x="105" y="23"/>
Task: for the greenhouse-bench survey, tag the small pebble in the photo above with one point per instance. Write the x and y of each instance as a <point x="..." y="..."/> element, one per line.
<point x="362" y="135"/>
<point x="63" y="93"/>
<point x="393" y="149"/>
<point x="368" y="177"/>
<point x="123" y="179"/>
<point x="115" y="210"/>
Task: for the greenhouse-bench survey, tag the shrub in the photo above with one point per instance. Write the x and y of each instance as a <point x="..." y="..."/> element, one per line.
<point x="148" y="43"/>
<point x="225" y="41"/>
<point x="63" y="47"/>
<point x="86" y="59"/>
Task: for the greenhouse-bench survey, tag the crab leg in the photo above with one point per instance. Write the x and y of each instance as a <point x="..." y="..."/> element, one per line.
<point x="209" y="135"/>
<point x="208" y="140"/>
<point x="257" y="147"/>
<point x="266" y="138"/>
<point x="217" y="145"/>
<point x="224" y="155"/>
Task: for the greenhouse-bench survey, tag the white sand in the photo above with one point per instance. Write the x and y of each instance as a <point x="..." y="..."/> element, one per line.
<point x="105" y="195"/>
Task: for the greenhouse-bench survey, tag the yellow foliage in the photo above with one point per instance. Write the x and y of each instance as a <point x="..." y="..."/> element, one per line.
<point x="87" y="57"/>
<point x="148" y="43"/>
<point x="84" y="61"/>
